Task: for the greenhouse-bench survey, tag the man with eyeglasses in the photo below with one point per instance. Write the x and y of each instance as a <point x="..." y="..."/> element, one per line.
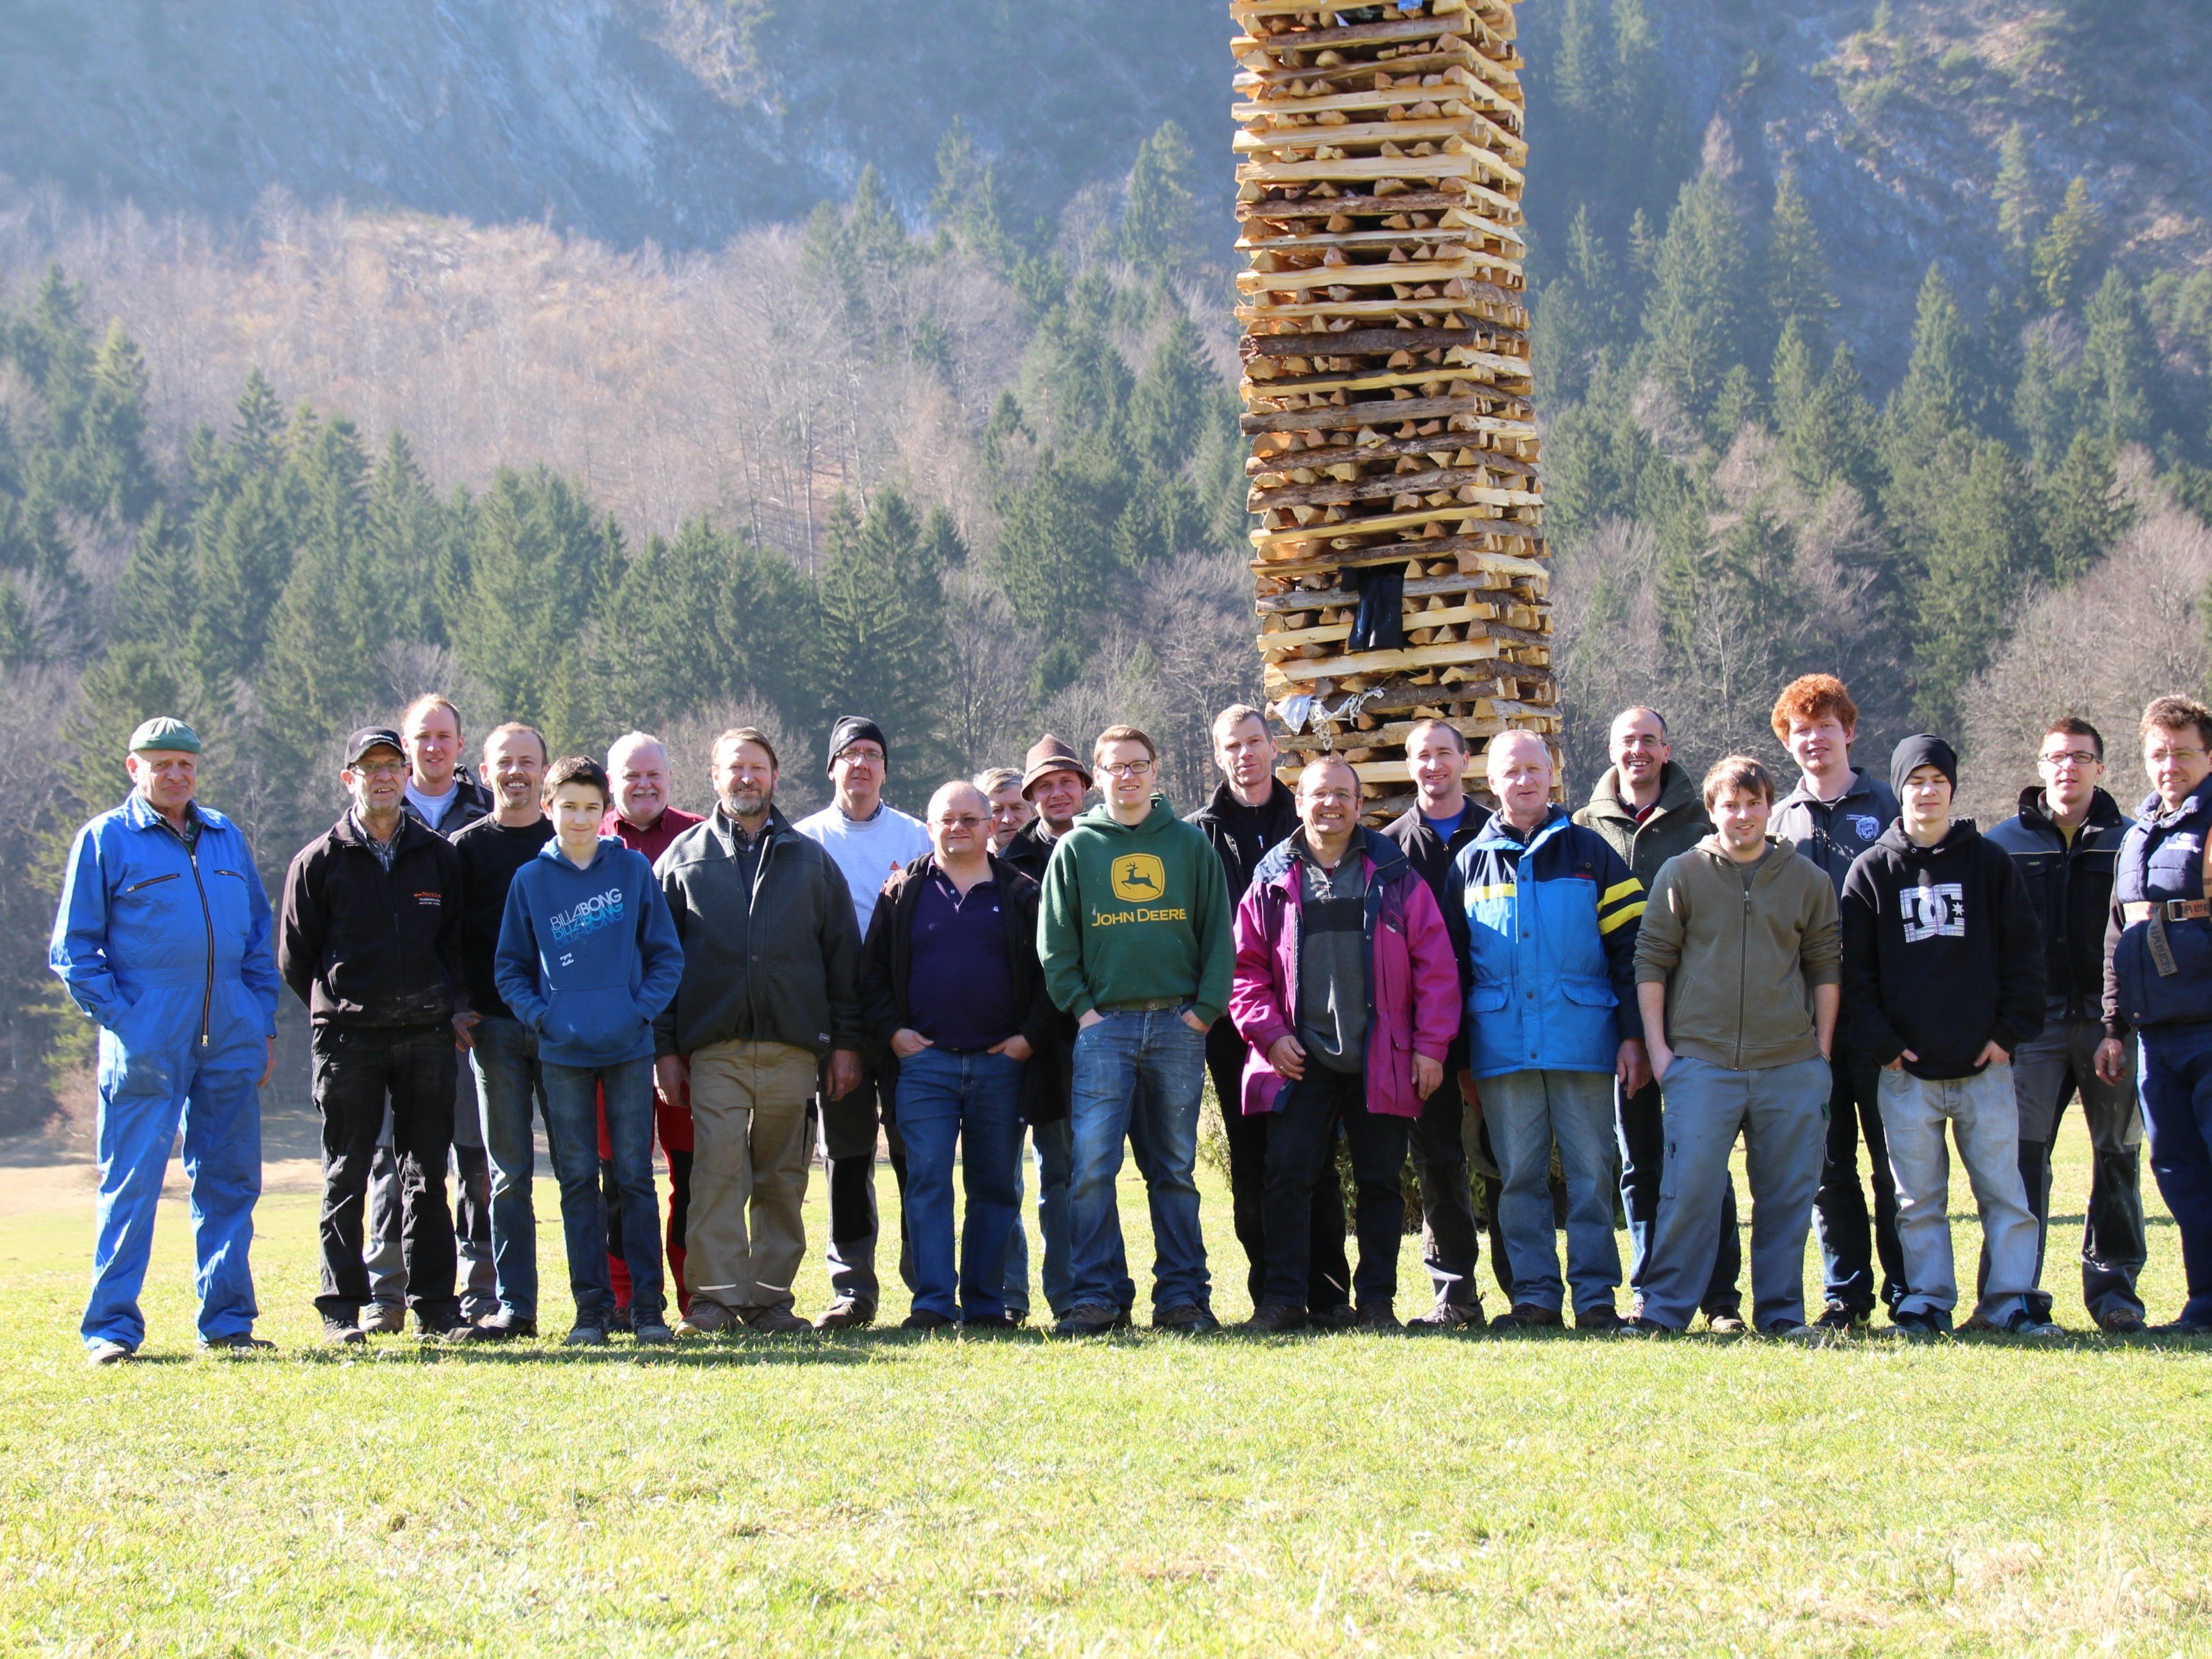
<point x="370" y="940"/>
<point x="870" y="840"/>
<point x="2158" y="981"/>
<point x="1133" y="935"/>
<point x="2066" y="843"/>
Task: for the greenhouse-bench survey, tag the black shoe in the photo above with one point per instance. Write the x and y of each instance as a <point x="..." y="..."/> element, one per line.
<point x="1603" y="1317"/>
<point x="2182" y="1328"/>
<point x="438" y="1322"/>
<point x="1836" y="1317"/>
<point x="343" y="1332"/>
<point x="1273" y="1318"/>
<point x="501" y="1327"/>
<point x="2122" y="1325"/>
<point x="1337" y="1316"/>
<point x="1093" y="1321"/>
<point x="1186" y="1319"/>
<point x="990" y="1323"/>
<point x="846" y="1315"/>
<point x="1378" y="1316"/>
<point x="1528" y="1316"/>
<point x="238" y="1342"/>
<point x="922" y="1320"/>
<point x="1920" y="1327"/>
<point x="1447" y="1316"/>
<point x="1640" y="1326"/>
<point x="1729" y="1321"/>
<point x="2025" y="1321"/>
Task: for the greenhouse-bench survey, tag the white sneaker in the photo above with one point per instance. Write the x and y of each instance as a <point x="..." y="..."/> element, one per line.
<point x="104" y="1352"/>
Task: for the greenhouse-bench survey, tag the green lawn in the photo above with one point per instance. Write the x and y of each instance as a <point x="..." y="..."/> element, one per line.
<point x="887" y="1493"/>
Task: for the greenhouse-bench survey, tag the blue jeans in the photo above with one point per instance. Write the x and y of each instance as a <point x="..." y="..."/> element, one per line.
<point x="2174" y="1079"/>
<point x="1055" y="1154"/>
<point x="572" y="1128"/>
<point x="1160" y="1123"/>
<point x="142" y="1096"/>
<point x="1983" y="1113"/>
<point x="510" y="1092"/>
<point x="974" y="1098"/>
<point x="1526" y="1112"/>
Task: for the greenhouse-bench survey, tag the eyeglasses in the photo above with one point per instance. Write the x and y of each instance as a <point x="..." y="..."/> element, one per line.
<point x="2160" y="757"/>
<point x="1332" y="798"/>
<point x="858" y="756"/>
<point x="968" y="821"/>
<point x="2073" y="758"/>
<point x="1126" y="768"/>
<point x="382" y="770"/>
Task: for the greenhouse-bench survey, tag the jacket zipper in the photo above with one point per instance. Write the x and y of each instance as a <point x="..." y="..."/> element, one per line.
<point x="207" y="921"/>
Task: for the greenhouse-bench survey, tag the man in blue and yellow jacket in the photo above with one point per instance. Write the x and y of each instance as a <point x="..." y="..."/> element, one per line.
<point x="163" y="937"/>
<point x="1552" y="917"/>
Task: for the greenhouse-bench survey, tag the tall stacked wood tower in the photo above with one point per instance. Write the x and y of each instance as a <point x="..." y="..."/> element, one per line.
<point x="1400" y="559"/>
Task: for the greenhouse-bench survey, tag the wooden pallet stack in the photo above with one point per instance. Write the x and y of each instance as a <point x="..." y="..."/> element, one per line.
<point x="1386" y="379"/>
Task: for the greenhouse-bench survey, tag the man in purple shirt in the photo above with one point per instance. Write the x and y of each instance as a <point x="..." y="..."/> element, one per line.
<point x="952" y="993"/>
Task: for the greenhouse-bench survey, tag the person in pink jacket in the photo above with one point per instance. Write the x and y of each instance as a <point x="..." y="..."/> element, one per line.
<point x="1347" y="991"/>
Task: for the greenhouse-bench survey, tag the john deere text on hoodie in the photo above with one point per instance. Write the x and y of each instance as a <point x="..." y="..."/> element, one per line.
<point x="588" y="956"/>
<point x="1135" y="914"/>
<point x="1942" y="953"/>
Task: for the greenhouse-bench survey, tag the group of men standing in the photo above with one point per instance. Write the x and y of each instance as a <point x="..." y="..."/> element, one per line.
<point x="1544" y="1010"/>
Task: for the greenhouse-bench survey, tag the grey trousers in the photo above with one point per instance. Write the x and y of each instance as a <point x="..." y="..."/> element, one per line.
<point x="1781" y="1111"/>
<point x="479" y="1284"/>
<point x="2048" y="1072"/>
<point x="1982" y="1113"/>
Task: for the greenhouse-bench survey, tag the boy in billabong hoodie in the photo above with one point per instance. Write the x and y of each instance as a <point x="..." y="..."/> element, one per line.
<point x="588" y="957"/>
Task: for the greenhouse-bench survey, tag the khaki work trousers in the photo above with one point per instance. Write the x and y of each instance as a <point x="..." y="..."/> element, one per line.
<point x="749" y="1133"/>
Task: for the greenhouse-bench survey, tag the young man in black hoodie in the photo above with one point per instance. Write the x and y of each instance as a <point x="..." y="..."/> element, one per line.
<point x="1942" y="980"/>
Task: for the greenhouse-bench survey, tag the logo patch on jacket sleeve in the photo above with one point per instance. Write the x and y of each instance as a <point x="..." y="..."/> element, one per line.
<point x="430" y="898"/>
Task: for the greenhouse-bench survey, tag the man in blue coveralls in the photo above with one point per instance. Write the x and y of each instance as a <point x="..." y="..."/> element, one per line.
<point x="163" y="937"/>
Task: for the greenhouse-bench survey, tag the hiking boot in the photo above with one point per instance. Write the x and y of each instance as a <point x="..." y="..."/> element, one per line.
<point x="1640" y="1326"/>
<point x="1603" y="1317"/>
<point x="990" y="1323"/>
<point x="2182" y="1328"/>
<point x="1095" y="1320"/>
<point x="1528" y="1316"/>
<point x="442" y="1327"/>
<point x="343" y="1332"/>
<point x="1273" y="1318"/>
<point x="1337" y="1316"/>
<point x="1379" y="1316"/>
<point x="1186" y="1319"/>
<point x="238" y="1342"/>
<point x="1919" y="1326"/>
<point x="382" y="1318"/>
<point x="846" y="1315"/>
<point x="652" y="1333"/>
<point x="706" y="1319"/>
<point x="779" y="1321"/>
<point x="502" y="1326"/>
<point x="105" y="1352"/>
<point x="1447" y="1316"/>
<point x="585" y="1336"/>
<point x="922" y="1320"/>
<point x="1837" y="1317"/>
<point x="2025" y="1321"/>
<point x="1784" y="1330"/>
<point x="1727" y="1323"/>
<point x="2122" y="1325"/>
<point x="619" y="1319"/>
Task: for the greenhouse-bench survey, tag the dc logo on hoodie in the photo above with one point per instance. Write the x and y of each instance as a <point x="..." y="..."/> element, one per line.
<point x="1936" y="912"/>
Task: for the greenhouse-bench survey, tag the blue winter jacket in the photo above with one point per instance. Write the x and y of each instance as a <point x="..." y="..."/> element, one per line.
<point x="2161" y="858"/>
<point x="167" y="949"/>
<point x="1552" y="926"/>
<point x="588" y="959"/>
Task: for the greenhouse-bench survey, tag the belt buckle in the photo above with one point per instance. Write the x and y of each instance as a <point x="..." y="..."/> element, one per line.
<point x="2183" y="909"/>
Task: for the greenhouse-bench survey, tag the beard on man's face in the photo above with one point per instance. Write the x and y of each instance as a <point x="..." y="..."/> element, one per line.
<point x="747" y="800"/>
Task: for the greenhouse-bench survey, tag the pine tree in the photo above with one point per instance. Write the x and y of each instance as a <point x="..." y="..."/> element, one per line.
<point x="2020" y="207"/>
<point x="2066" y="255"/>
<point x="1986" y="544"/>
<point x="2084" y="512"/>
<point x="410" y="544"/>
<point x="1939" y="394"/>
<point x="1830" y="436"/>
<point x="942" y="541"/>
<point x="2057" y="393"/>
<point x="1159" y="226"/>
<point x="1169" y="404"/>
<point x="1794" y="380"/>
<point x="2122" y="357"/>
<point x="967" y="206"/>
<point x="118" y="477"/>
<point x="1056" y="556"/>
<point x="879" y="640"/>
<point x="1651" y="149"/>
<point x="1697" y="321"/>
<point x="1796" y="268"/>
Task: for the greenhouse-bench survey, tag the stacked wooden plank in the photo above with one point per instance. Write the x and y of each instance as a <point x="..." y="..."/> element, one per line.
<point x="1386" y="378"/>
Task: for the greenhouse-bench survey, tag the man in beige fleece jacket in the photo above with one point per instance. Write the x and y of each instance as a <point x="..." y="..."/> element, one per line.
<point x="1738" y="971"/>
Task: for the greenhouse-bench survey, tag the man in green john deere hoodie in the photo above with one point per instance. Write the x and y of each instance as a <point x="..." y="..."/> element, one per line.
<point x="1133" y="936"/>
<point x="1648" y="810"/>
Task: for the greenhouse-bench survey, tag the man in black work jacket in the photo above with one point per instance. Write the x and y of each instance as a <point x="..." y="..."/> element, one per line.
<point x="1249" y="815"/>
<point x="369" y="938"/>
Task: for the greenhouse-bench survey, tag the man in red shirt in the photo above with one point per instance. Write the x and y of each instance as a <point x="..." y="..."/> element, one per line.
<point x="643" y="821"/>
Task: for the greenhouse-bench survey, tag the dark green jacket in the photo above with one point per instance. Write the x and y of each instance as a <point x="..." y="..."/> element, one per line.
<point x="1677" y="824"/>
<point x="1135" y="914"/>
<point x="776" y="959"/>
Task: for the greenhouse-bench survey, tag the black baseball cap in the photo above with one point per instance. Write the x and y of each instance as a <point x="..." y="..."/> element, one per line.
<point x="372" y="737"/>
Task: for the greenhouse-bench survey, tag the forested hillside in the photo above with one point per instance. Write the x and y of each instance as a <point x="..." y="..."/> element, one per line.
<point x="652" y="362"/>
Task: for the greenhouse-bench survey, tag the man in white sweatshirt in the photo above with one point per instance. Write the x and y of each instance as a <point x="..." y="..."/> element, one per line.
<point x="867" y="838"/>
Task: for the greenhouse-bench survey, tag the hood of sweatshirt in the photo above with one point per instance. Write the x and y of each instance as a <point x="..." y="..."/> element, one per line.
<point x="1916" y="857"/>
<point x="1162" y="818"/>
<point x="1775" y="857"/>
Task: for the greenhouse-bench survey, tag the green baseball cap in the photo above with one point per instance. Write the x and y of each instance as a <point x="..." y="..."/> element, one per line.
<point x="166" y="732"/>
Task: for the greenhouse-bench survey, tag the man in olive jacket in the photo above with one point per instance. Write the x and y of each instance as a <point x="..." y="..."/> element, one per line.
<point x="1649" y="809"/>
<point x="771" y="990"/>
<point x="1738" y="966"/>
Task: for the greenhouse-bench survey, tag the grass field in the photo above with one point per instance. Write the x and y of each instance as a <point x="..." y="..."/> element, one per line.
<point x="880" y="1492"/>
